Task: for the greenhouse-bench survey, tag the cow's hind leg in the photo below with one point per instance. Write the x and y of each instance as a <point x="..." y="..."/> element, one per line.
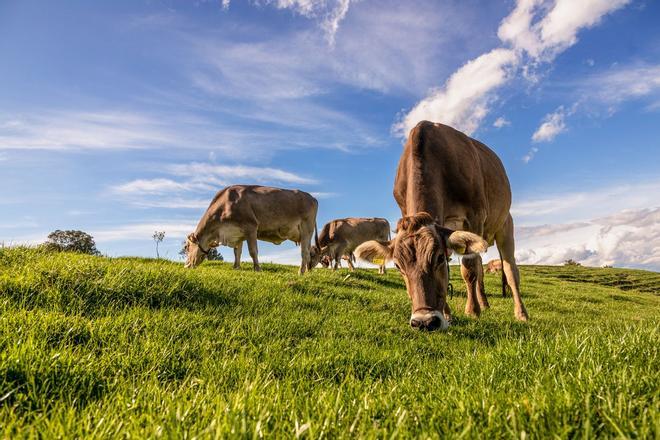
<point x="506" y="245"/>
<point x="471" y="277"/>
<point x="481" y="290"/>
<point x="252" y="248"/>
<point x="305" y="240"/>
<point x="237" y="255"/>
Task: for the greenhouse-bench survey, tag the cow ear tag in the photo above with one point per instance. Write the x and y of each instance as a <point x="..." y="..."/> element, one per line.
<point x="378" y="261"/>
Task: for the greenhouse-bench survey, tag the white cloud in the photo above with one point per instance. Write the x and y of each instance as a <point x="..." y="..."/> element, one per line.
<point x="329" y="12"/>
<point x="615" y="225"/>
<point x="501" y="122"/>
<point x="79" y="130"/>
<point x="229" y="173"/>
<point x="464" y="100"/>
<point x="157" y="186"/>
<point x="530" y="154"/>
<point x="629" y="238"/>
<point x="553" y="124"/>
<point x="541" y="29"/>
<point x="587" y="204"/>
<point x="141" y="231"/>
<point x="200" y="181"/>
<point x="622" y="83"/>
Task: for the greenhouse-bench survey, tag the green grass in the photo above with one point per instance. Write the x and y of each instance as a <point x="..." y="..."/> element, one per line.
<point x="97" y="347"/>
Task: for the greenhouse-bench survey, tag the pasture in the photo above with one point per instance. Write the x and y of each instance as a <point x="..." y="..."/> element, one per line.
<point x="95" y="347"/>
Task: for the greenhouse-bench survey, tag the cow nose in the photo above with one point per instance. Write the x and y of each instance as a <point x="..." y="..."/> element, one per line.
<point x="428" y="322"/>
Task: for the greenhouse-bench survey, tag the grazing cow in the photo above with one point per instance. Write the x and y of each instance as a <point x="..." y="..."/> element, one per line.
<point x="326" y="261"/>
<point x="250" y="212"/>
<point x="495" y="266"/>
<point x="340" y="237"/>
<point x="452" y="191"/>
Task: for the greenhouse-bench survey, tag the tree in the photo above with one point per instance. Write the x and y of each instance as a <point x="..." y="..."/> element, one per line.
<point x="213" y="255"/>
<point x="71" y="241"/>
<point x="571" y="262"/>
<point x="158" y="237"/>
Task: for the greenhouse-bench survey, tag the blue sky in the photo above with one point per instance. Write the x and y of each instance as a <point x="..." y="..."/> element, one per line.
<point x="125" y="117"/>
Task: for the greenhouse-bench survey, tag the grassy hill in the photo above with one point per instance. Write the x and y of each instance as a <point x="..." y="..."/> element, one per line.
<point x="98" y="347"/>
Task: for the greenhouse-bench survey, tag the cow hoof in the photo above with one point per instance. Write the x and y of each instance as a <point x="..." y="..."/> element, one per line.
<point x="472" y="314"/>
<point x="522" y="316"/>
<point x="257" y="269"/>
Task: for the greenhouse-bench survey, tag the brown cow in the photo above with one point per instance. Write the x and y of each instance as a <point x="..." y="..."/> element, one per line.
<point x="448" y="181"/>
<point x="340" y="237"/>
<point x="494" y="266"/>
<point x="250" y="212"/>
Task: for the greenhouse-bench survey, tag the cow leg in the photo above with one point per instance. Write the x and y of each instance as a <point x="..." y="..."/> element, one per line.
<point x="305" y="240"/>
<point x="237" y="255"/>
<point x="481" y="291"/>
<point x="471" y="277"/>
<point x="350" y="263"/>
<point x="252" y="248"/>
<point x="506" y="245"/>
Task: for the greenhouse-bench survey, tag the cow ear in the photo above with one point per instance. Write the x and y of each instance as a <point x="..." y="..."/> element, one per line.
<point x="463" y="242"/>
<point x="374" y="250"/>
<point x="192" y="237"/>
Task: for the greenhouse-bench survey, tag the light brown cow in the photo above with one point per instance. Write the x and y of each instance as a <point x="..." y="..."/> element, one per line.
<point x="340" y="237"/>
<point x="494" y="266"/>
<point x="249" y="212"/>
<point x="447" y="181"/>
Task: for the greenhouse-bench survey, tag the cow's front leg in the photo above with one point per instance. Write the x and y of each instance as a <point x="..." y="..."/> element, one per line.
<point x="238" y="249"/>
<point x="471" y="278"/>
<point x="252" y="248"/>
<point x="350" y="263"/>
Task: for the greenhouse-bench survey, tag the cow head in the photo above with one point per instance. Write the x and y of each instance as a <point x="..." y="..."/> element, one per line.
<point x="316" y="256"/>
<point x="420" y="251"/>
<point x="195" y="253"/>
<point x="326" y="261"/>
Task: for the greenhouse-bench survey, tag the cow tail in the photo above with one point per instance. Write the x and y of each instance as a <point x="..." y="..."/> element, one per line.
<point x="316" y="237"/>
<point x="504" y="283"/>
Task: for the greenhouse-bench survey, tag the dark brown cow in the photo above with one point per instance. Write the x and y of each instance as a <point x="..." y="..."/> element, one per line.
<point x="448" y="181"/>
<point x="340" y="237"/>
<point x="249" y="212"/>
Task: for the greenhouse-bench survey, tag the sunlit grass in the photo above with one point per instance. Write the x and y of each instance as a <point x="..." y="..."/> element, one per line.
<point x="97" y="347"/>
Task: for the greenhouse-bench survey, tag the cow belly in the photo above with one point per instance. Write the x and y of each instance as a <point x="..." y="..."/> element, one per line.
<point x="280" y="235"/>
<point x="230" y="235"/>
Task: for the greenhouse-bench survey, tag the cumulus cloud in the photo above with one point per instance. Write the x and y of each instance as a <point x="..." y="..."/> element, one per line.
<point x="465" y="98"/>
<point x="629" y="238"/>
<point x="535" y="32"/>
<point x="501" y="122"/>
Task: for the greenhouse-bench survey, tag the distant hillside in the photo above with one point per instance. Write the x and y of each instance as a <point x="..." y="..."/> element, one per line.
<point x="97" y="347"/>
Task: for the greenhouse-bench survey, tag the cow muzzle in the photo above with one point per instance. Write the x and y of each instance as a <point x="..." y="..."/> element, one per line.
<point x="428" y="321"/>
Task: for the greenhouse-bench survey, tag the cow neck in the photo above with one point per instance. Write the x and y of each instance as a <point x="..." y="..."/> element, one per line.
<point x="205" y="232"/>
<point x="421" y="194"/>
